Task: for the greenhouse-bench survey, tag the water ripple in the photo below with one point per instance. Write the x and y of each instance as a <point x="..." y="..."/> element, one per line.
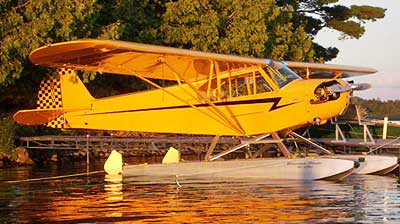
<point x="105" y="199"/>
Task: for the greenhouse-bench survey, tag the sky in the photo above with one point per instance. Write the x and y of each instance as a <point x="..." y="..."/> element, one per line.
<point x="378" y="48"/>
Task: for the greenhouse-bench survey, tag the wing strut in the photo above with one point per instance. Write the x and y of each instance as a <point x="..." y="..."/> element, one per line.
<point x="237" y="127"/>
<point x="180" y="99"/>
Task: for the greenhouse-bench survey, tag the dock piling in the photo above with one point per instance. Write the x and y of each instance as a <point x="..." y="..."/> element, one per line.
<point x="87" y="153"/>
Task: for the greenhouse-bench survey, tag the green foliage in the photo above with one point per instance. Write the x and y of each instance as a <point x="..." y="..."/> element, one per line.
<point x="353" y="131"/>
<point x="9" y="130"/>
<point x="350" y="28"/>
<point x="324" y="54"/>
<point x="314" y="15"/>
<point x="376" y="108"/>
<point x="242" y="26"/>
<point x="255" y="28"/>
<point x="107" y="85"/>
<point x="287" y="42"/>
<point x="135" y="20"/>
<point x="234" y="26"/>
<point x="7" y="133"/>
<point x="277" y="29"/>
<point x="25" y="26"/>
<point x="280" y="29"/>
<point x="366" y="12"/>
<point x="191" y="24"/>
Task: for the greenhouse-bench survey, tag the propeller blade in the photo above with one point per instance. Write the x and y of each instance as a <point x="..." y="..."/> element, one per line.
<point x="360" y="86"/>
<point x="339" y="88"/>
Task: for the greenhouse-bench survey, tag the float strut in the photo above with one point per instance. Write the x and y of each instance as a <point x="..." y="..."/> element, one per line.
<point x="211" y="148"/>
<point x="310" y="142"/>
<point x="281" y="146"/>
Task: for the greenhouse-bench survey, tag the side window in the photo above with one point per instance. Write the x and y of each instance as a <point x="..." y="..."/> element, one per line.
<point x="261" y="84"/>
<point x="249" y="84"/>
<point x="240" y="88"/>
<point x="225" y="89"/>
<point x="235" y="86"/>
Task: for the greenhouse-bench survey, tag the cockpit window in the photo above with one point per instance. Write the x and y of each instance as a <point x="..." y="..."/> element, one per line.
<point x="280" y="73"/>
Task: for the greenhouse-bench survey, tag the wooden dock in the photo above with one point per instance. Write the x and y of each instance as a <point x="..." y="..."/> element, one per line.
<point x="56" y="148"/>
<point x="82" y="142"/>
<point x="353" y="145"/>
<point x="81" y="147"/>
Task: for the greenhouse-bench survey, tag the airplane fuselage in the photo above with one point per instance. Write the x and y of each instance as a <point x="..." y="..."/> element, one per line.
<point x="184" y="109"/>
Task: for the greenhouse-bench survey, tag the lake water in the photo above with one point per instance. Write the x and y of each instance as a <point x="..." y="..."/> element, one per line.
<point x="98" y="198"/>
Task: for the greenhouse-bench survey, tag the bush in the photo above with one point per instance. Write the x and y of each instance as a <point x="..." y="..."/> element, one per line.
<point x="7" y="134"/>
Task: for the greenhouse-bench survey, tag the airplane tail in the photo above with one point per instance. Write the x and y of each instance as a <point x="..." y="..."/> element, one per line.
<point x="75" y="96"/>
<point x="57" y="95"/>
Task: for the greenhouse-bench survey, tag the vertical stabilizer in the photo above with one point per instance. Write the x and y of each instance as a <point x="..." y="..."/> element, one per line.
<point x="75" y="96"/>
<point x="57" y="95"/>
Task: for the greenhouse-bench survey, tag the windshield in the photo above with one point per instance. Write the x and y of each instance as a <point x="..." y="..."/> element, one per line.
<point x="280" y="73"/>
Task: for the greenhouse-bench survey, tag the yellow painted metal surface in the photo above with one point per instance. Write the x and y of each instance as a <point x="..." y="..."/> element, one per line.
<point x="155" y="111"/>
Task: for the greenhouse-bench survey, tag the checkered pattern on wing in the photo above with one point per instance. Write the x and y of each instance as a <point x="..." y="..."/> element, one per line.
<point x="49" y="96"/>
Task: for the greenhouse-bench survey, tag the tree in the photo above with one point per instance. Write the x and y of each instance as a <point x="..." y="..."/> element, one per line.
<point x="27" y="25"/>
<point x="277" y="29"/>
<point x="131" y="20"/>
<point x="235" y="27"/>
<point x="314" y="15"/>
<point x="376" y="108"/>
<point x="255" y="28"/>
<point x="286" y="41"/>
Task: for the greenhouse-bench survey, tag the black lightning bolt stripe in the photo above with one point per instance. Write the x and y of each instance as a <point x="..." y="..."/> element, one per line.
<point x="274" y="106"/>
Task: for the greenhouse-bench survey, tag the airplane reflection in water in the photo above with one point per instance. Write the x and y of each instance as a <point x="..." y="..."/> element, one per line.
<point x="361" y="198"/>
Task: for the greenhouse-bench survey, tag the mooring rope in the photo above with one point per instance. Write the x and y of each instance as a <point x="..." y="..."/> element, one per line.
<point x="53" y="178"/>
<point x="65" y="176"/>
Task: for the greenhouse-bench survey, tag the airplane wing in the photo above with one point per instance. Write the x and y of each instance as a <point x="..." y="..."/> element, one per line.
<point x="317" y="70"/>
<point x="126" y="58"/>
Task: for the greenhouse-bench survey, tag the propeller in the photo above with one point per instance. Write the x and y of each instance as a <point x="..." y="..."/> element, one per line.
<point x="331" y="90"/>
<point x="337" y="88"/>
<point x="360" y="86"/>
<point x="355" y="87"/>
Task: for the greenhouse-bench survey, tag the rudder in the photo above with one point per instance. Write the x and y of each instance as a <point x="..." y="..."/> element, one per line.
<point x="75" y="96"/>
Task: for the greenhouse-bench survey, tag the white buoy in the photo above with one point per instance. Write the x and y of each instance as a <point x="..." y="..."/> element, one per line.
<point x="113" y="164"/>
<point x="172" y="156"/>
<point x="385" y="124"/>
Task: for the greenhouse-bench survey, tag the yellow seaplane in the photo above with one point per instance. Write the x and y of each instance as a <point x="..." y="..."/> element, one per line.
<point x="214" y="94"/>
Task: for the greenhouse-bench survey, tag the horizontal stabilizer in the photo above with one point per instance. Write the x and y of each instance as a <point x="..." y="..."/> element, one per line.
<point x="38" y="116"/>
